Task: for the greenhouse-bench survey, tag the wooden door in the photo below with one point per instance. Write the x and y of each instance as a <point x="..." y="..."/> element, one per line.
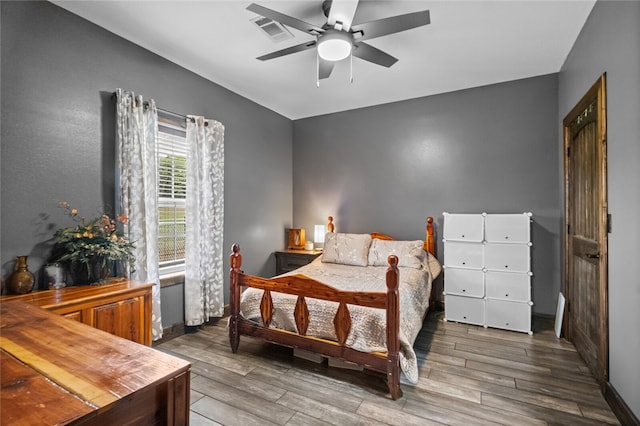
<point x="586" y="323"/>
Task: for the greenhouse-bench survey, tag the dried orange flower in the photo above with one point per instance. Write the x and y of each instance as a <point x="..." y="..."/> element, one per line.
<point x="89" y="238"/>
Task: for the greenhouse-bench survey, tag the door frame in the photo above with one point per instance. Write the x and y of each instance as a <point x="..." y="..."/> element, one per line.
<point x="598" y="91"/>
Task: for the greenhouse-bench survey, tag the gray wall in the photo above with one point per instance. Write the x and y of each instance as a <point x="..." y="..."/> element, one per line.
<point x="58" y="74"/>
<point x="386" y="168"/>
<point x="610" y="42"/>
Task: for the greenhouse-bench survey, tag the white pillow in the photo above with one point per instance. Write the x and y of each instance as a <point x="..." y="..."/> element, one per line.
<point x="410" y="254"/>
<point x="347" y="249"/>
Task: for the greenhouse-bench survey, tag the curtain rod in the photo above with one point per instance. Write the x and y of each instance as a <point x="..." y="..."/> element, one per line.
<point x="174" y="114"/>
<point x="166" y="111"/>
<point x="181" y="116"/>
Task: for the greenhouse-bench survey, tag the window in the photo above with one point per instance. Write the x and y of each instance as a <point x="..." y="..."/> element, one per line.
<point x="172" y="190"/>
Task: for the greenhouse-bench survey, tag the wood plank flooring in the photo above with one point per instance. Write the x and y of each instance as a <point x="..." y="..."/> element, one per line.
<point x="468" y="376"/>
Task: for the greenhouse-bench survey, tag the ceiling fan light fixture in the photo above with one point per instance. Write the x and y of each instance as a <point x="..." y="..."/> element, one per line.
<point x="334" y="45"/>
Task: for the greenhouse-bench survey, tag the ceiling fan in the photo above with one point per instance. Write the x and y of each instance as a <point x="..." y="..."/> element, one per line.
<point x="339" y="38"/>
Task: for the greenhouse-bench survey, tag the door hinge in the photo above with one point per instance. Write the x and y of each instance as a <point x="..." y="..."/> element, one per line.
<point x="568" y="229"/>
<point x="608" y="223"/>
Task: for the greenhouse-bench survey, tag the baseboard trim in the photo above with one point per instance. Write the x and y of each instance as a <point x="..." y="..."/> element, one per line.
<point x="169" y="333"/>
<point x="545" y="316"/>
<point x="619" y="407"/>
<point x="178" y="330"/>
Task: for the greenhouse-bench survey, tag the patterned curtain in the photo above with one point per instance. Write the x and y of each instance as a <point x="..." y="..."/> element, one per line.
<point x="137" y="188"/>
<point x="204" y="277"/>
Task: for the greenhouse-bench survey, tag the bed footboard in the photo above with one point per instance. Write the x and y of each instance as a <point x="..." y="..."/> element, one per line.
<point x="306" y="288"/>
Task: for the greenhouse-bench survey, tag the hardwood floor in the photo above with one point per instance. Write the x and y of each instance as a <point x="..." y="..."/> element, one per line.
<point x="468" y="376"/>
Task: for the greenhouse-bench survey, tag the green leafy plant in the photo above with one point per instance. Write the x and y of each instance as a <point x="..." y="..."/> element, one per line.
<point x="90" y="241"/>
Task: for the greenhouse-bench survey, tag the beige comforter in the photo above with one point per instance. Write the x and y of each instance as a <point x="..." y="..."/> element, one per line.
<point x="368" y="331"/>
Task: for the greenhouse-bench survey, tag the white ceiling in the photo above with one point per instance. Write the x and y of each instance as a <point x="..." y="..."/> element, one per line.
<point x="467" y="44"/>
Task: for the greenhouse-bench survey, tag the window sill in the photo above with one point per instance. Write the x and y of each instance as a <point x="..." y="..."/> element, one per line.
<point x="171" y="279"/>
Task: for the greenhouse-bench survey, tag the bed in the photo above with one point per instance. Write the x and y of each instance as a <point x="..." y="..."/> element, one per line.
<point x="362" y="301"/>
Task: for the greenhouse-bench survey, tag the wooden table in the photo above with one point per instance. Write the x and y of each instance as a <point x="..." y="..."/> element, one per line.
<point x="58" y="371"/>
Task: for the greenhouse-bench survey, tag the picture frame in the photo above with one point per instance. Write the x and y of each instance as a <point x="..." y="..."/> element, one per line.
<point x="295" y="239"/>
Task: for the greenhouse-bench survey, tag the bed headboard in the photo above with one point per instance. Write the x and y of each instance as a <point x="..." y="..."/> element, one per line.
<point x="429" y="241"/>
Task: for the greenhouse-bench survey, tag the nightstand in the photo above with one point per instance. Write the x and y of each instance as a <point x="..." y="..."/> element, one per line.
<point x="288" y="260"/>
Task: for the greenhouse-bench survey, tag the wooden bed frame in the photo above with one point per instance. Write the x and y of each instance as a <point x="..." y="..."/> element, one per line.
<point x="304" y="287"/>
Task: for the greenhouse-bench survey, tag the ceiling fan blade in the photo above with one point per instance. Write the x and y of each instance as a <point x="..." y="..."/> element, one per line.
<point x="285" y="19"/>
<point x="325" y="68"/>
<point x="342" y="11"/>
<point x="289" y="50"/>
<point x="393" y="24"/>
<point x="369" y="53"/>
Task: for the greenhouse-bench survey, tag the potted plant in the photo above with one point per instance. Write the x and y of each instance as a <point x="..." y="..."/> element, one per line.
<point x="89" y="249"/>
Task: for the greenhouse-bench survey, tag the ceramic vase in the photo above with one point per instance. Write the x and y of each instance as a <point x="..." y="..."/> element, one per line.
<point x="54" y="276"/>
<point x="21" y="281"/>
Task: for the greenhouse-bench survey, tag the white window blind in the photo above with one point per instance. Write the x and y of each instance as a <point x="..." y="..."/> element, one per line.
<point x="172" y="175"/>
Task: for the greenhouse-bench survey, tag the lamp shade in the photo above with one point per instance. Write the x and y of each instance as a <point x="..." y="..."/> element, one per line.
<point x="318" y="234"/>
<point x="334" y="45"/>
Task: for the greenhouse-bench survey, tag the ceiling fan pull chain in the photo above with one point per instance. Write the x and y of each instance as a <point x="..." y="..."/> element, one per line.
<point x="351" y="63"/>
<point x="317" y="69"/>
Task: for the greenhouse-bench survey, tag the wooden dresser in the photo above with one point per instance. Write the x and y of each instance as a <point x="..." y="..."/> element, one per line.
<point x="121" y="307"/>
<point x="57" y="371"/>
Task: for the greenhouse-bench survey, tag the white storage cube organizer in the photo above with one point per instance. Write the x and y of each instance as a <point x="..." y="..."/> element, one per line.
<point x="515" y="287"/>
<point x="464" y="255"/>
<point x="465" y="282"/>
<point x="464" y="309"/>
<point x="464" y="227"/>
<point x="506" y="257"/>
<point x="507" y="228"/>
<point x="487" y="262"/>
<point x="514" y="316"/>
